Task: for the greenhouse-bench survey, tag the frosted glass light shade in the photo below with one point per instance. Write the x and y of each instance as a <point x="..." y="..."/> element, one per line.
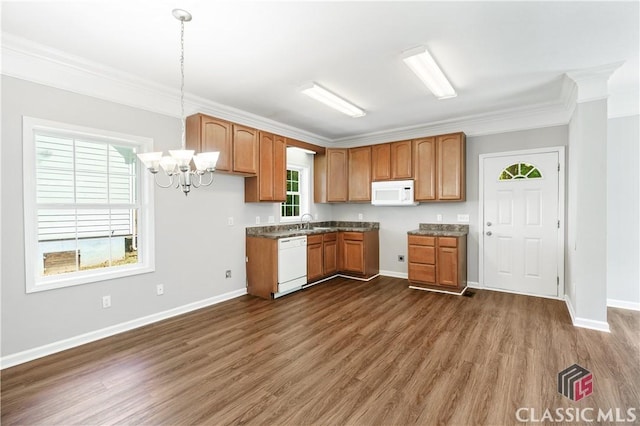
<point x="169" y="164"/>
<point x="151" y="160"/>
<point x="206" y="161"/>
<point x="182" y="157"/>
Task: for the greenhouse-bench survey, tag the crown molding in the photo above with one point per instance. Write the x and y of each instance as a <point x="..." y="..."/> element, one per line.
<point x="24" y="59"/>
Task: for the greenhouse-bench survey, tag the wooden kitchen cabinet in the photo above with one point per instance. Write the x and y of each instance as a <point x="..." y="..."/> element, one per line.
<point x="238" y="145"/>
<point x="359" y="253"/>
<point x="360" y="174"/>
<point x="262" y="266"/>
<point x="331" y="176"/>
<point x="439" y="168"/>
<point x="245" y="149"/>
<point x="391" y="161"/>
<point x="330" y="253"/>
<point x="269" y="185"/>
<point x="321" y="256"/>
<point x="438" y="263"/>
<point x="205" y="134"/>
<point x="315" y="263"/>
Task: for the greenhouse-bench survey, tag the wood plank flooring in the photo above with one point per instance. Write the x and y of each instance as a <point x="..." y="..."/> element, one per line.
<point x="340" y="353"/>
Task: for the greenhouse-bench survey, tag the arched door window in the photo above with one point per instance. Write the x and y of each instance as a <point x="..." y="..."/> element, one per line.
<point x="520" y="171"/>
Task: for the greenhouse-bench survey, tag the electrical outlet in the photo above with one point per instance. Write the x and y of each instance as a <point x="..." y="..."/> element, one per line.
<point x="438" y="218"/>
<point x="401" y="258"/>
<point x="463" y="218"/>
<point x="160" y="289"/>
<point x="360" y="216"/>
<point x="227" y="273"/>
<point x="106" y="302"/>
<point x="230" y="221"/>
<point x="257" y="220"/>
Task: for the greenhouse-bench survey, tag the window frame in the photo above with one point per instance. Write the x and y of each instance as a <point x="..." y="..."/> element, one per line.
<point x="34" y="281"/>
<point x="303" y="190"/>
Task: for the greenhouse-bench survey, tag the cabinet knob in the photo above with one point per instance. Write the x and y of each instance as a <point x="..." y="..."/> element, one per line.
<point x="488" y="223"/>
<point x="489" y="233"/>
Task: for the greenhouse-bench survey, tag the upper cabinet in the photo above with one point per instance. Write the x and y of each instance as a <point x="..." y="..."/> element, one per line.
<point x="245" y="149"/>
<point x="331" y="176"/>
<point x="270" y="183"/>
<point x="238" y="145"/>
<point x="205" y="134"/>
<point x="391" y="161"/>
<point x="439" y="167"/>
<point x="360" y="174"/>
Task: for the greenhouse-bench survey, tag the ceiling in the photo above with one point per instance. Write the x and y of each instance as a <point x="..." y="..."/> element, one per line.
<point x="254" y="56"/>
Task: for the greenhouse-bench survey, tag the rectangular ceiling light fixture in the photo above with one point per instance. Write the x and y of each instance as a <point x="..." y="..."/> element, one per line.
<point x="321" y="94"/>
<point x="421" y="63"/>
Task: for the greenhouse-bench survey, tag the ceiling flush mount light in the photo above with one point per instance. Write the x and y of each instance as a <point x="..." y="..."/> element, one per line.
<point x="424" y="66"/>
<point x="177" y="165"/>
<point x="332" y="100"/>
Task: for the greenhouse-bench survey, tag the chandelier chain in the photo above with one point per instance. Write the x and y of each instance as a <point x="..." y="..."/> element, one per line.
<point x="182" y="118"/>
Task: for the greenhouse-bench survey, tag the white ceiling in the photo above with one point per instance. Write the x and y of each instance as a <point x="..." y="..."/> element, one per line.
<point x="254" y="56"/>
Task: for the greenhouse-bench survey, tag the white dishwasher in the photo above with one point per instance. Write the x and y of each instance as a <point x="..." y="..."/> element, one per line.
<point x="292" y="264"/>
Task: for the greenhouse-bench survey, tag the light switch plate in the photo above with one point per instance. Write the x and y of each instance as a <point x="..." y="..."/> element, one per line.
<point x="463" y="218"/>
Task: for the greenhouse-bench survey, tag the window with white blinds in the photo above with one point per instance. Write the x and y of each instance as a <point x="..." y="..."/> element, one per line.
<point x="86" y="216"/>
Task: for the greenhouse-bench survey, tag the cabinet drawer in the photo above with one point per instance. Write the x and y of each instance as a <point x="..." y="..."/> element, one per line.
<point x="447" y="241"/>
<point x="331" y="236"/>
<point x="422" y="254"/>
<point x="421" y="240"/>
<point x="422" y="273"/>
<point x="314" y="239"/>
<point x="357" y="236"/>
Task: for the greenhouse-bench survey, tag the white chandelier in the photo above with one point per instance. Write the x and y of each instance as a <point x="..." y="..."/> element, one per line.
<point x="177" y="165"/>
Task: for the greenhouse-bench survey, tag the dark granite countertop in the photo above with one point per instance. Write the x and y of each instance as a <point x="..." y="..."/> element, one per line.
<point x="291" y="230"/>
<point x="440" y="230"/>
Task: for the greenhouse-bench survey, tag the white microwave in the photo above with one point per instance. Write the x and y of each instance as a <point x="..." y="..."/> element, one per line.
<point x="392" y="193"/>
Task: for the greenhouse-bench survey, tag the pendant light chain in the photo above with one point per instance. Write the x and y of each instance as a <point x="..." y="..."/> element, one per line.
<point x="184" y="143"/>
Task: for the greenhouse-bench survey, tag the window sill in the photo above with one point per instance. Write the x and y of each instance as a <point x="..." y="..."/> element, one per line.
<point x="70" y="280"/>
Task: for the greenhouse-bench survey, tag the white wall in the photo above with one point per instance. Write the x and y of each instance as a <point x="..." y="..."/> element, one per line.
<point x="194" y="244"/>
<point x="623" y="226"/>
<point x="396" y="221"/>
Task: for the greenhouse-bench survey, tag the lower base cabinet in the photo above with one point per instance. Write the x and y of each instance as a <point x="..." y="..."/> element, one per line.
<point x="438" y="263"/>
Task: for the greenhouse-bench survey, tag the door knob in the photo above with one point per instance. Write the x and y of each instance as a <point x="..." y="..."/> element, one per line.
<point x="488" y="223"/>
<point x="489" y="233"/>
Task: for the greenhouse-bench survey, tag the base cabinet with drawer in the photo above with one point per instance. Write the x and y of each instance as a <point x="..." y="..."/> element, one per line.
<point x="438" y="262"/>
<point x="321" y="256"/>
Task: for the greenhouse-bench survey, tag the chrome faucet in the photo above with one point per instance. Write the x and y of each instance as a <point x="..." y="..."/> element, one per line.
<point x="308" y="224"/>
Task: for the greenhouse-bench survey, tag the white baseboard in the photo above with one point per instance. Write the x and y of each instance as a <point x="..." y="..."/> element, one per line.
<point x="584" y="322"/>
<point x="51" y="348"/>
<point x="395" y="274"/>
<point x="623" y="304"/>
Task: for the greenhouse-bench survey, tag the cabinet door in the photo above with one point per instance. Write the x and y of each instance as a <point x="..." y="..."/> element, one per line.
<point x="279" y="168"/>
<point x="245" y="149"/>
<point x="424" y="160"/>
<point x="360" y="174"/>
<point x="266" y="173"/>
<point x="401" y="160"/>
<point x="353" y="256"/>
<point x="205" y="134"/>
<point x="337" y="175"/>
<point x="330" y="257"/>
<point x="450" y="166"/>
<point x="314" y="262"/>
<point x="448" y="266"/>
<point x="381" y="162"/>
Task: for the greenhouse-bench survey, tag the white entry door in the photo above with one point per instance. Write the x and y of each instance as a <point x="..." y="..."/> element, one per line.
<point x="521" y="228"/>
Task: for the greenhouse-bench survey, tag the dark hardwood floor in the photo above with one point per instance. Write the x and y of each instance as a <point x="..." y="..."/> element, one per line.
<point x="340" y="353"/>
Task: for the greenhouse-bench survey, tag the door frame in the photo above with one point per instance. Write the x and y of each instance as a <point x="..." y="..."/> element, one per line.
<point x="560" y="150"/>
